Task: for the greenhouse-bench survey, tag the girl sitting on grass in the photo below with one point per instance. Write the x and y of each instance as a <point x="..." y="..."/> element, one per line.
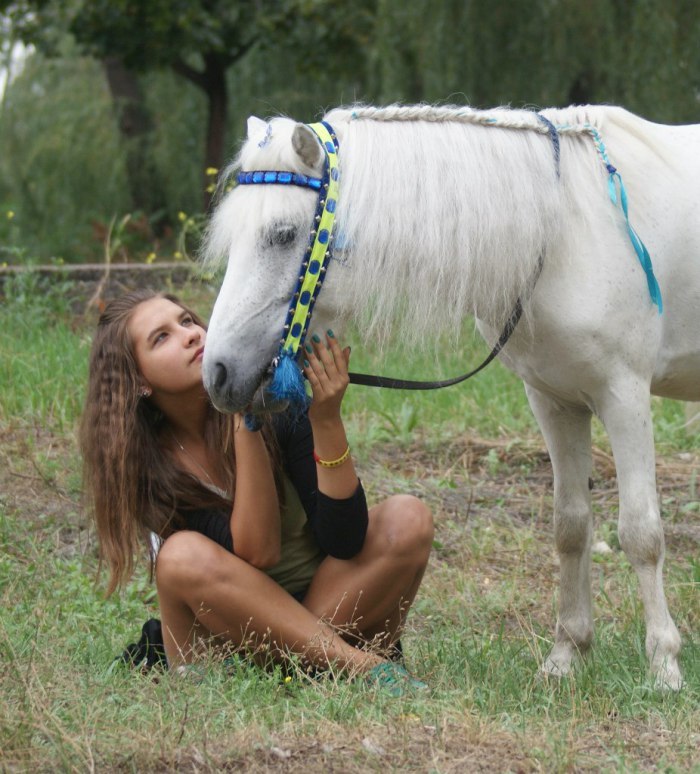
<point x="265" y="540"/>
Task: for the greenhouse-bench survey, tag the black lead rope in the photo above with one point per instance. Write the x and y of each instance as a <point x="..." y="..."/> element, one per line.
<point x="369" y="380"/>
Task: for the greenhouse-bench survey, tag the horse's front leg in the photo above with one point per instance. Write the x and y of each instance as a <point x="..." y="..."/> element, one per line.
<point x="567" y="433"/>
<point x="626" y="413"/>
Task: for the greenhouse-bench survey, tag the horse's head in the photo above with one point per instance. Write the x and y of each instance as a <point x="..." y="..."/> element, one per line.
<point x="264" y="230"/>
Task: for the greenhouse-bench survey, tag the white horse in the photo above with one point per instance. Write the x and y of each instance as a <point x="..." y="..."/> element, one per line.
<point x="445" y="212"/>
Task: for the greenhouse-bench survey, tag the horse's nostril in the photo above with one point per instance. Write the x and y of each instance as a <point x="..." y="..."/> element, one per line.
<point x="220" y="377"/>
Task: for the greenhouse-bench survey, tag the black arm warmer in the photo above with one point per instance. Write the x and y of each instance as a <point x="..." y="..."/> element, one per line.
<point x="339" y="526"/>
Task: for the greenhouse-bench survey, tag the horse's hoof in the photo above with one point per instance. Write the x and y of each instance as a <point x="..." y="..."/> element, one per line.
<point x="667" y="677"/>
<point x="555" y="669"/>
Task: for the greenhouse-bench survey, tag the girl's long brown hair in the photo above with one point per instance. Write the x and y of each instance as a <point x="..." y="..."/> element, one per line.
<point x="132" y="485"/>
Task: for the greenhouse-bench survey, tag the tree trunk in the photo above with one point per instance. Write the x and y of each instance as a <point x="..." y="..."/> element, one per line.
<point x="215" y="88"/>
<point x="147" y="194"/>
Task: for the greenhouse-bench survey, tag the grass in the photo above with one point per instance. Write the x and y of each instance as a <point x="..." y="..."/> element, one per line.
<point x="479" y="629"/>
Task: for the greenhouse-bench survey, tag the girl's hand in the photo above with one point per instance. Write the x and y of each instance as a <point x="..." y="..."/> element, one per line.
<point x="326" y="368"/>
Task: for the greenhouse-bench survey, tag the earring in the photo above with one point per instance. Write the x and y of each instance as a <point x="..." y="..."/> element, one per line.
<point x="145" y="392"/>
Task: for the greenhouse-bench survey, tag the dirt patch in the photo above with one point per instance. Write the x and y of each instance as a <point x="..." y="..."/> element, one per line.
<point x="511" y="481"/>
<point x="466" y="480"/>
<point x="408" y="744"/>
<point x="40" y="483"/>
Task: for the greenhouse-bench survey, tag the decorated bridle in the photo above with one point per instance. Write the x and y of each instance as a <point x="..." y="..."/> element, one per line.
<point x="287" y="381"/>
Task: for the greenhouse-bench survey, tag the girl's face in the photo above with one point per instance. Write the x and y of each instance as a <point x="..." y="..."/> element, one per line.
<point x="168" y="346"/>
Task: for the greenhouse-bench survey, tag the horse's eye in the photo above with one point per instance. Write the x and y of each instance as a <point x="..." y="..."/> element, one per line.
<point x="281" y="236"/>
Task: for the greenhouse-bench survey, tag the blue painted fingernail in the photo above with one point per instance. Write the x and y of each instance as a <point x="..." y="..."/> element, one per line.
<point x="330" y="333"/>
<point x="316" y="338"/>
<point x="307" y="347"/>
<point x="306" y="363"/>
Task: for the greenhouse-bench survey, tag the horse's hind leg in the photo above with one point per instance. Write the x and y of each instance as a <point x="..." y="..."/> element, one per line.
<point x="626" y="414"/>
<point x="567" y="433"/>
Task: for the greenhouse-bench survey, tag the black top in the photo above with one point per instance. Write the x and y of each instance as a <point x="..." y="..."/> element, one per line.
<point x="339" y="526"/>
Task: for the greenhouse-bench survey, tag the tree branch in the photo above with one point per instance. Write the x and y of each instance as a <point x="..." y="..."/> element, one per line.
<point x="197" y="77"/>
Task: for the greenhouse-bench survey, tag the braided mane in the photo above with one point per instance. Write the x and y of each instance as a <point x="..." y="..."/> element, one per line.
<point x="505" y="118"/>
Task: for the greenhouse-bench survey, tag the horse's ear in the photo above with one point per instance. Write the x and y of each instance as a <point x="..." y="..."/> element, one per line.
<point x="306" y="145"/>
<point x="256" y="128"/>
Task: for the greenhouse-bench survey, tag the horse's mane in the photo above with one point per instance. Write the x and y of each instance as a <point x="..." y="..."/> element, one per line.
<point x="443" y="211"/>
<point x="448" y="210"/>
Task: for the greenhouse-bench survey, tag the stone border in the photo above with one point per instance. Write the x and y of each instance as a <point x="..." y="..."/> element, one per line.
<point x="84" y="282"/>
<point x="95" y="271"/>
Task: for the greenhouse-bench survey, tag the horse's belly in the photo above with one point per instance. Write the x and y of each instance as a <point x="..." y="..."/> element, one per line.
<point x="677" y="365"/>
<point x="678" y="379"/>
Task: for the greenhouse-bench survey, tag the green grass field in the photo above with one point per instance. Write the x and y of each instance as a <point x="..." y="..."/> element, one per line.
<point x="481" y="625"/>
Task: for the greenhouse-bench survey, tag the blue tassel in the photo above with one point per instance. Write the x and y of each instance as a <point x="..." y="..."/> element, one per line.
<point x="288" y="382"/>
<point x="253" y="422"/>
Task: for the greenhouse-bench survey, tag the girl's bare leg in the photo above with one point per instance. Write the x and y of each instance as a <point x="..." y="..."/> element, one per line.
<point x="370" y="594"/>
<point x="199" y="583"/>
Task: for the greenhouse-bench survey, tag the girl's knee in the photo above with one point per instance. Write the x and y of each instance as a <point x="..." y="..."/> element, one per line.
<point x="185" y="558"/>
<point x="405" y="523"/>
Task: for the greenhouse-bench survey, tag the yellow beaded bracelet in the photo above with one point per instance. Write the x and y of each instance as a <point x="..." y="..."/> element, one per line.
<point x="333" y="463"/>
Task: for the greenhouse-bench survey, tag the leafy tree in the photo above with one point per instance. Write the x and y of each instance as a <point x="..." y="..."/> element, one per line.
<point x="306" y="53"/>
<point x="45" y="25"/>
<point x="643" y="54"/>
<point x="185" y="73"/>
<point x="61" y="165"/>
<point x="201" y="39"/>
<point x="197" y="40"/>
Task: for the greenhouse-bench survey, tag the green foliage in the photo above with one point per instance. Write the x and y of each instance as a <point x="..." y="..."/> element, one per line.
<point x="643" y="55"/>
<point x="41" y="24"/>
<point x="158" y="33"/>
<point x="43" y="377"/>
<point x="64" y="165"/>
<point x="61" y="166"/>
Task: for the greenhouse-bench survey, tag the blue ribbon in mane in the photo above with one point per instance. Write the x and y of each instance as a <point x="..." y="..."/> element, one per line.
<point x="614" y="184"/>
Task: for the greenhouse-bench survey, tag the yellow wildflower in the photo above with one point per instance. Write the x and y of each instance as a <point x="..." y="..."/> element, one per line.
<point x="150" y="257"/>
<point x="211" y="188"/>
<point x="211" y="171"/>
<point x="288" y="679"/>
<point x="10" y="214"/>
<point x="181" y="216"/>
<point x="177" y="255"/>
